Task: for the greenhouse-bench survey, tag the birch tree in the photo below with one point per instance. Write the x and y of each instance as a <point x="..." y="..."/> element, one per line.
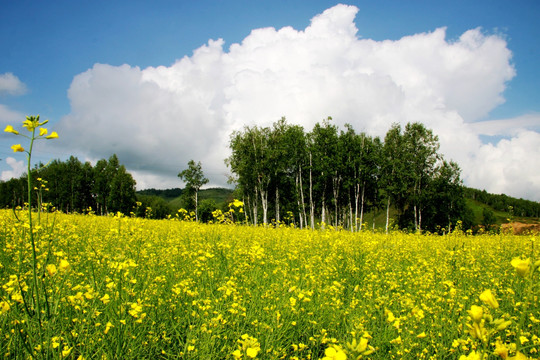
<point x="194" y="178"/>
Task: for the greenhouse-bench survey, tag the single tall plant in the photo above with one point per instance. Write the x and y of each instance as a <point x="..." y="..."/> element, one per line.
<point x="36" y="132"/>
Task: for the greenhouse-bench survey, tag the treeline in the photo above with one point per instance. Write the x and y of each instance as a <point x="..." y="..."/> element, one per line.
<point x="332" y="176"/>
<point x="502" y="202"/>
<point x="73" y="186"/>
<point x="167" y="193"/>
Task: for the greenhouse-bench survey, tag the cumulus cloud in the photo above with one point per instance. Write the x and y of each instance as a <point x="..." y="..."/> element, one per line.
<point x="510" y="166"/>
<point x="11" y="85"/>
<point x="17" y="169"/>
<point x="158" y="118"/>
<point x="8" y="116"/>
<point x="508" y="127"/>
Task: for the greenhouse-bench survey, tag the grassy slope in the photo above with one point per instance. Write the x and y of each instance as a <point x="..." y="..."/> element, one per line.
<point x="219" y="195"/>
<point x="501" y="216"/>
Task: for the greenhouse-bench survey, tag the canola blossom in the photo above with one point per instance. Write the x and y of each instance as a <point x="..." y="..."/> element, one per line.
<point x="10" y="129"/>
<point x="133" y="288"/>
<point x="17" y="148"/>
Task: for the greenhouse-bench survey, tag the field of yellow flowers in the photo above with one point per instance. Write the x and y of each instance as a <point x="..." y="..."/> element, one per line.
<point x="129" y="288"/>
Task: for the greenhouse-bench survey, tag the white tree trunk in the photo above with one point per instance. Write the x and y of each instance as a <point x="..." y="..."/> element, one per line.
<point x="255" y="209"/>
<point x="387" y="214"/>
<point x="302" y="196"/>
<point x="311" y="204"/>
<point x="277" y="204"/>
<point x="197" y="205"/>
<point x="362" y="207"/>
<point x="356" y="198"/>
<point x="264" y="203"/>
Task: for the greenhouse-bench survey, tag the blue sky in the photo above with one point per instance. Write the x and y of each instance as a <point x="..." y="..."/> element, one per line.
<point x="47" y="46"/>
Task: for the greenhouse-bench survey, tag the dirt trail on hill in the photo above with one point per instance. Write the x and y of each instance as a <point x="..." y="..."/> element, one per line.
<point x="521" y="228"/>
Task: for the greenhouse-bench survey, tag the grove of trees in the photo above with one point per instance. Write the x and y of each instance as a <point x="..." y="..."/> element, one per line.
<point x="333" y="177"/>
<point x="73" y="186"/>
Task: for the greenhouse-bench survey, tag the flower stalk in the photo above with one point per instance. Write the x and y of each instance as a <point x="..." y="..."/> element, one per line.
<point x="31" y="124"/>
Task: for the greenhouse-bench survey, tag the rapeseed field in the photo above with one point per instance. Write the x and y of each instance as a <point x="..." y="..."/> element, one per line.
<point x="121" y="287"/>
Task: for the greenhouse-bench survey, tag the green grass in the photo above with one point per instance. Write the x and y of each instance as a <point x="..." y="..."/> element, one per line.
<point x="220" y="196"/>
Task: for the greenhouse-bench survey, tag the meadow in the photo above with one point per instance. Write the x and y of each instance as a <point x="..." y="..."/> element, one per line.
<point x="122" y="287"/>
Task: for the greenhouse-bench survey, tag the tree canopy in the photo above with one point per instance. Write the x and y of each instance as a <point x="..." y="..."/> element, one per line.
<point x="194" y="178"/>
<point x="72" y="186"/>
<point x="337" y="175"/>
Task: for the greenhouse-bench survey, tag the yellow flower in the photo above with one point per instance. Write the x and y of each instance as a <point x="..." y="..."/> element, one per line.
<point x="51" y="269"/>
<point x="17" y="148"/>
<point x="501" y="324"/>
<point x="252" y="352"/>
<point x="488" y="299"/>
<point x="136" y="309"/>
<point x="478" y="331"/>
<point x="64" y="265"/>
<point x="522" y="266"/>
<point x="472" y="356"/>
<point x="4" y="307"/>
<point x="105" y="299"/>
<point x="334" y="353"/>
<point x="500" y="349"/>
<point x="421" y="335"/>
<point x="66" y="351"/>
<point x="108" y="327"/>
<point x="360" y="347"/>
<point x="10" y="129"/>
<point x="519" y="356"/>
<point x="43" y="131"/>
<point x="30" y="123"/>
<point x="476" y="313"/>
<point x="237" y="203"/>
<point x="390" y="315"/>
<point x="53" y="135"/>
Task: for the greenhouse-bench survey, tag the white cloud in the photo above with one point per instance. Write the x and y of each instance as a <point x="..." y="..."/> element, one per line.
<point x="8" y="116"/>
<point x="157" y="119"/>
<point x="508" y="127"/>
<point x="17" y="169"/>
<point x="510" y="166"/>
<point x="11" y="85"/>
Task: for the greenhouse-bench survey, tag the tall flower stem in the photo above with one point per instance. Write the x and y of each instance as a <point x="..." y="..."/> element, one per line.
<point x="31" y="124"/>
<point x="32" y="240"/>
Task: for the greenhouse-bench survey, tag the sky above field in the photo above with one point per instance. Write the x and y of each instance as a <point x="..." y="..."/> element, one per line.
<point x="159" y="83"/>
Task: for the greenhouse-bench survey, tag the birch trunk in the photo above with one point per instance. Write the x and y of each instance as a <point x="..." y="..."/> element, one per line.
<point x="264" y="203"/>
<point x="387" y="214"/>
<point x="302" y="196"/>
<point x="277" y="204"/>
<point x="311" y="204"/>
<point x="362" y="206"/>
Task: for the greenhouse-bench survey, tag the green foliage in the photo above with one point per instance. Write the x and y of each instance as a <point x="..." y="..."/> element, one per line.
<point x="488" y="218"/>
<point x="194" y="178"/>
<point x="72" y="186"/>
<point x="339" y="176"/>
<point x="153" y="207"/>
<point x="167" y="194"/>
<point x="502" y="203"/>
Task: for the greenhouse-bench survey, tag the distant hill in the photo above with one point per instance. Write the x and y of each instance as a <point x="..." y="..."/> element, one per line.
<point x="503" y="205"/>
<point x="167" y="194"/>
<point x="173" y="196"/>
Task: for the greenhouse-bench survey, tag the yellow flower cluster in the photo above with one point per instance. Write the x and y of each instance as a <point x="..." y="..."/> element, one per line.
<point x="31" y="124"/>
<point x="125" y="287"/>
